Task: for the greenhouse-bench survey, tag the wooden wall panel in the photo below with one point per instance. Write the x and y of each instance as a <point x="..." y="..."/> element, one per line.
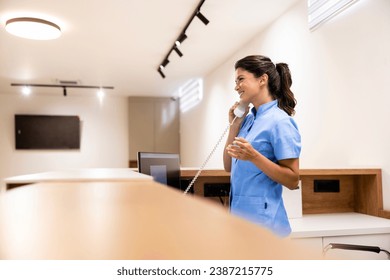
<point x="324" y="202"/>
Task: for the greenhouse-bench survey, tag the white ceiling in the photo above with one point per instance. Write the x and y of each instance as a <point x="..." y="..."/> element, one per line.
<point x="120" y="43"/>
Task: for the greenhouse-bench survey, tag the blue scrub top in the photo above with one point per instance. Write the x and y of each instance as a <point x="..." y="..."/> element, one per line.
<point x="254" y="196"/>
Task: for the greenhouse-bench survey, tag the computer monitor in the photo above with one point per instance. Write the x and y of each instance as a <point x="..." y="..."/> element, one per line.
<point x="163" y="167"/>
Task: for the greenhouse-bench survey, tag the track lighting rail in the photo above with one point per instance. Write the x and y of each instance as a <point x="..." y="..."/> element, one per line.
<point x="182" y="37"/>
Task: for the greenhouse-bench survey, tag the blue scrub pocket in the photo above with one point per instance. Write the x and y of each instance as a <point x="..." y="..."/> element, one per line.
<point x="255" y="209"/>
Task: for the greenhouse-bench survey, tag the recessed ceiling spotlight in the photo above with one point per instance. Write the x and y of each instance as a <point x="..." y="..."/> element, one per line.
<point x="33" y="28"/>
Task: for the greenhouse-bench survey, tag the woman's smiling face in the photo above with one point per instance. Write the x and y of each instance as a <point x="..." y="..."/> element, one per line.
<point x="247" y="85"/>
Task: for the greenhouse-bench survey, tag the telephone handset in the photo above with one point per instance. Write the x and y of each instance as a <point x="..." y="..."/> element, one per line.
<point x="239" y="111"/>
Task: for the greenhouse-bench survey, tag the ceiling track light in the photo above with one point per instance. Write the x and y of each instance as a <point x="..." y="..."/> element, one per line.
<point x="182" y="37"/>
<point x="165" y="62"/>
<point x="161" y="73"/>
<point x="202" y="18"/>
<point x="178" y="51"/>
<point x="162" y="67"/>
<point x="64" y="88"/>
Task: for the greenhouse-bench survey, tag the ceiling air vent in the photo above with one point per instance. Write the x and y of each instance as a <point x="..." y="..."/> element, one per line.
<point x="68" y="82"/>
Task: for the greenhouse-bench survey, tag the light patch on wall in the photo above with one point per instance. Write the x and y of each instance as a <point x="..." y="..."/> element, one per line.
<point x="320" y="11"/>
<point x="168" y="114"/>
<point x="190" y="94"/>
<point x="100" y="95"/>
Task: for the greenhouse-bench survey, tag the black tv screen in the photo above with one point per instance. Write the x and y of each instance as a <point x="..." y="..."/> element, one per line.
<point x="47" y="132"/>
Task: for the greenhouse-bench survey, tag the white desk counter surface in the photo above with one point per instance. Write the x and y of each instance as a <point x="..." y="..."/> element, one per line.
<point x="86" y="174"/>
<point x="338" y="224"/>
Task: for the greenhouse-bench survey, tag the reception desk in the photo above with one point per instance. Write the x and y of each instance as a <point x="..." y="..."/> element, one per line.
<point x="128" y="220"/>
<point x="353" y="213"/>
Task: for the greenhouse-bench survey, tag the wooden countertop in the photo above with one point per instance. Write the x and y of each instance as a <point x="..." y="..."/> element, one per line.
<point x="128" y="220"/>
<point x="191" y="171"/>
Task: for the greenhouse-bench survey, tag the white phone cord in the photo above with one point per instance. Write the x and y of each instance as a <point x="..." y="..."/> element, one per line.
<point x="208" y="157"/>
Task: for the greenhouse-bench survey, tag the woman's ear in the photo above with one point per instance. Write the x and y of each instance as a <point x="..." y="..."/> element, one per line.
<point x="263" y="79"/>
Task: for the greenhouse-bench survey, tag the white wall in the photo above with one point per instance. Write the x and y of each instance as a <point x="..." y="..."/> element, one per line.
<point x="104" y="133"/>
<point x="340" y="74"/>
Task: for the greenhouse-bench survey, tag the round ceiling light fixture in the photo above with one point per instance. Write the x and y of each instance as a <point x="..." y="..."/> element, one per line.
<point x="33" y="28"/>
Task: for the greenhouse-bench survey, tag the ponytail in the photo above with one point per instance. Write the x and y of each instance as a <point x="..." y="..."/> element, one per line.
<point x="286" y="99"/>
<point x="279" y="79"/>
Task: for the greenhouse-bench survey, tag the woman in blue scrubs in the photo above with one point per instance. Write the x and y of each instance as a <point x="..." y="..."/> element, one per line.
<point x="263" y="146"/>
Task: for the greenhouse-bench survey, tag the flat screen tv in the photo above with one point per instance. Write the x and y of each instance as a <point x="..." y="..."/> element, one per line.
<point x="47" y="132"/>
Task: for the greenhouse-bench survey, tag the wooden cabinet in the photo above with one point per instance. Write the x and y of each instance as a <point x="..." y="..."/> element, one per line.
<point x="154" y="125"/>
<point x="320" y="245"/>
<point x="360" y="190"/>
<point x="352" y="214"/>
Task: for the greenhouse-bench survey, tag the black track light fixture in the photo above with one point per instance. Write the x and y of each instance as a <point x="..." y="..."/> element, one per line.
<point x="162" y="67"/>
<point x="165" y="63"/>
<point x="161" y="73"/>
<point x="182" y="37"/>
<point x="202" y="18"/>
<point x="64" y="87"/>
<point x="178" y="51"/>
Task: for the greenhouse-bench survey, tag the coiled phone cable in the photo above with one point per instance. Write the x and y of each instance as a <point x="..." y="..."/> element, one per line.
<point x="209" y="156"/>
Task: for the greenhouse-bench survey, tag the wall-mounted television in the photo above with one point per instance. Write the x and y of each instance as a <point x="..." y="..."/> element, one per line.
<point x="47" y="132"/>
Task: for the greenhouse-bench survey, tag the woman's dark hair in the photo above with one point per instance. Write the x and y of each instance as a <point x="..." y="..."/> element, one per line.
<point x="279" y="79"/>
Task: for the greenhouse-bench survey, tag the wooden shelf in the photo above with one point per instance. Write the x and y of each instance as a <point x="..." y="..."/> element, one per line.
<point x="360" y="191"/>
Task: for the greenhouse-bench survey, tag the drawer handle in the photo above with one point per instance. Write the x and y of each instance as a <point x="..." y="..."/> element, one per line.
<point x="342" y="246"/>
